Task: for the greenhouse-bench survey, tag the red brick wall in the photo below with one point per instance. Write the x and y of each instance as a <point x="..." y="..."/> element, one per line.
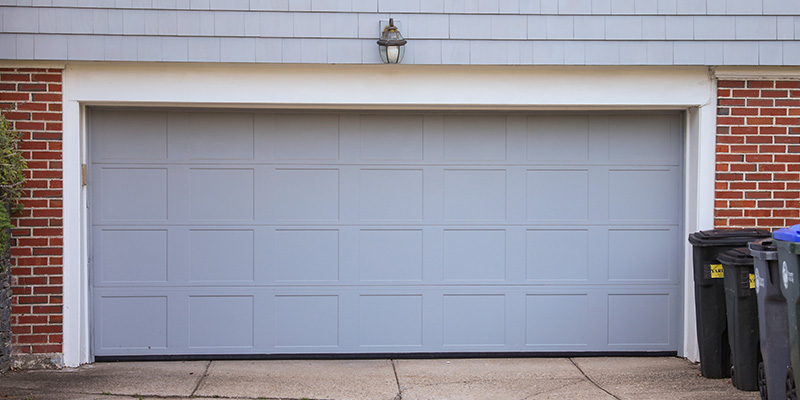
<point x="31" y="99"/>
<point x="758" y="154"/>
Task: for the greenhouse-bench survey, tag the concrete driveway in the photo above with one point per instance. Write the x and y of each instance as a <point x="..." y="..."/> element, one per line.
<point x="463" y="379"/>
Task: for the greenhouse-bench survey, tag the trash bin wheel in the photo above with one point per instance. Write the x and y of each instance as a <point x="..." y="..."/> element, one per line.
<point x="762" y="381"/>
<point x="791" y="388"/>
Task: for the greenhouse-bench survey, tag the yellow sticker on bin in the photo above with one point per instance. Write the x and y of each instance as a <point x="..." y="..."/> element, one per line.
<point x="717" y="271"/>
<point x="752" y="281"/>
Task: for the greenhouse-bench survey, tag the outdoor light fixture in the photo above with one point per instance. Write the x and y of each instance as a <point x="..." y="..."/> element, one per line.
<point x="391" y="43"/>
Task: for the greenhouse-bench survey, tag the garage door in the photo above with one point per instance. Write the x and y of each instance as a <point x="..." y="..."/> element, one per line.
<point x="216" y="232"/>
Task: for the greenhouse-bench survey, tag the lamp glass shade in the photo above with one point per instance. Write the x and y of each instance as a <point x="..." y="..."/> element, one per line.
<point x="391" y="45"/>
<point x="392" y="54"/>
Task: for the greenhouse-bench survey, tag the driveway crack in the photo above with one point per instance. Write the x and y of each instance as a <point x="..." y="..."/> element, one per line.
<point x="592" y="380"/>
<point x="202" y="378"/>
<point x="397" y="380"/>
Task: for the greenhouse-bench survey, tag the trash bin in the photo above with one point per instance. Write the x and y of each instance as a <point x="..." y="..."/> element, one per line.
<point x="788" y="243"/>
<point x="742" y="311"/>
<point x="773" y="324"/>
<point x="709" y="295"/>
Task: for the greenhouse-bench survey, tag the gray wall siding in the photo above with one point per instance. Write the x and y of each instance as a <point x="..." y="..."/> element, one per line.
<point x="546" y="32"/>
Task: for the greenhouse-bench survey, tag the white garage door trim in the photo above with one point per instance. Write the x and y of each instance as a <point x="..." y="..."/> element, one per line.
<point x="366" y="87"/>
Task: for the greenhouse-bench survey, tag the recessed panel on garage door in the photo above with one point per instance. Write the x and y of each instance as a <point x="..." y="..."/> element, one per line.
<point x="254" y="232"/>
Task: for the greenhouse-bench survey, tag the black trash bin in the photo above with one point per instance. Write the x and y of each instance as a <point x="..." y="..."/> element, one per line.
<point x="773" y="323"/>
<point x="709" y="295"/>
<point x="742" y="311"/>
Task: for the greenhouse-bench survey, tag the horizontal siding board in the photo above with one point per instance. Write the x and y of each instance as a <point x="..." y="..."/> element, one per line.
<point x="660" y="53"/>
<point x="785" y="28"/>
<point x="690" y="7"/>
<point x="714" y="28"/>
<point x="756" y="28"/>
<point x="689" y="53"/>
<point x="90" y="48"/>
<point x="558" y="32"/>
<point x="25" y="47"/>
<point x="623" y="28"/>
<point x="237" y="49"/>
<point x="50" y="47"/>
<point x="654" y="27"/>
<point x="680" y="28"/>
<point x="740" y="53"/>
<point x="269" y="5"/>
<point x="791" y="53"/>
<point x="268" y="50"/>
<point x="645" y="7"/>
<point x="770" y="53"/>
<point x="148" y="48"/>
<point x="564" y="7"/>
<point x="587" y="27"/>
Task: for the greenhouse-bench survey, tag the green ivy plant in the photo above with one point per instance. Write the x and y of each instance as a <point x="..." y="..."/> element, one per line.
<point x="12" y="179"/>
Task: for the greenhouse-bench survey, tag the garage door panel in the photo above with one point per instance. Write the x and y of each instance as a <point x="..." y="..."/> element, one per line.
<point x="131" y="256"/>
<point x="394" y="255"/>
<point x="474" y="138"/>
<point x="557" y="320"/>
<point x="486" y="326"/>
<point x="558" y="254"/>
<point x="132" y="323"/>
<point x="641" y="254"/>
<point x="558" y="195"/>
<point x="129" y="136"/>
<point x="362" y="233"/>
<point x="211" y="136"/>
<point x="391" y="194"/>
<point x="474" y="195"/>
<point x="653" y="310"/>
<point x="643" y="195"/>
<point x="306" y="321"/>
<point x="221" y="194"/>
<point x="474" y="255"/>
<point x="305" y="137"/>
<point x="647" y="139"/>
<point x="391" y="138"/>
<point x="307" y="194"/>
<point x="558" y="138"/>
<point x="307" y="255"/>
<point x="393" y="321"/>
<point x="126" y="194"/>
<point x="217" y="255"/>
<point x="211" y="319"/>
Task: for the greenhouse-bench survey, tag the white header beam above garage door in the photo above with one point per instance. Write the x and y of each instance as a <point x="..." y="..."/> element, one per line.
<point x="377" y="87"/>
<point x="391" y="86"/>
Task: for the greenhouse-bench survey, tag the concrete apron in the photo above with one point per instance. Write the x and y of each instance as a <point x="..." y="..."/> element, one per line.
<point x="463" y="379"/>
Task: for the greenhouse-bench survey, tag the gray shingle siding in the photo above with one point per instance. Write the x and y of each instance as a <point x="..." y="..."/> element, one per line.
<point x="540" y="32"/>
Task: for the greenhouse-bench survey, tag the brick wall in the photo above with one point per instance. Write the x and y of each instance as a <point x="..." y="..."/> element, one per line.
<point x="758" y="154"/>
<point x="31" y="99"/>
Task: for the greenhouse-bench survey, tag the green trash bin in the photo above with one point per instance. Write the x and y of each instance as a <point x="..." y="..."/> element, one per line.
<point x="742" y="311"/>
<point x="709" y="295"/>
<point x="788" y="242"/>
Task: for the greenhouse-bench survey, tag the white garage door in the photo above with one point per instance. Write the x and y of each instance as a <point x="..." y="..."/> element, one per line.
<point x="219" y="232"/>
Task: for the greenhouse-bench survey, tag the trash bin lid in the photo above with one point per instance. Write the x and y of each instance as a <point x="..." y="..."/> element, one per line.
<point x="727" y="237"/>
<point x="763" y="245"/>
<point x="736" y="257"/>
<point x="791" y="234"/>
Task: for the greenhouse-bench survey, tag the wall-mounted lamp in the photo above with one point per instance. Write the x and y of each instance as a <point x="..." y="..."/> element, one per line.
<point x="391" y="44"/>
